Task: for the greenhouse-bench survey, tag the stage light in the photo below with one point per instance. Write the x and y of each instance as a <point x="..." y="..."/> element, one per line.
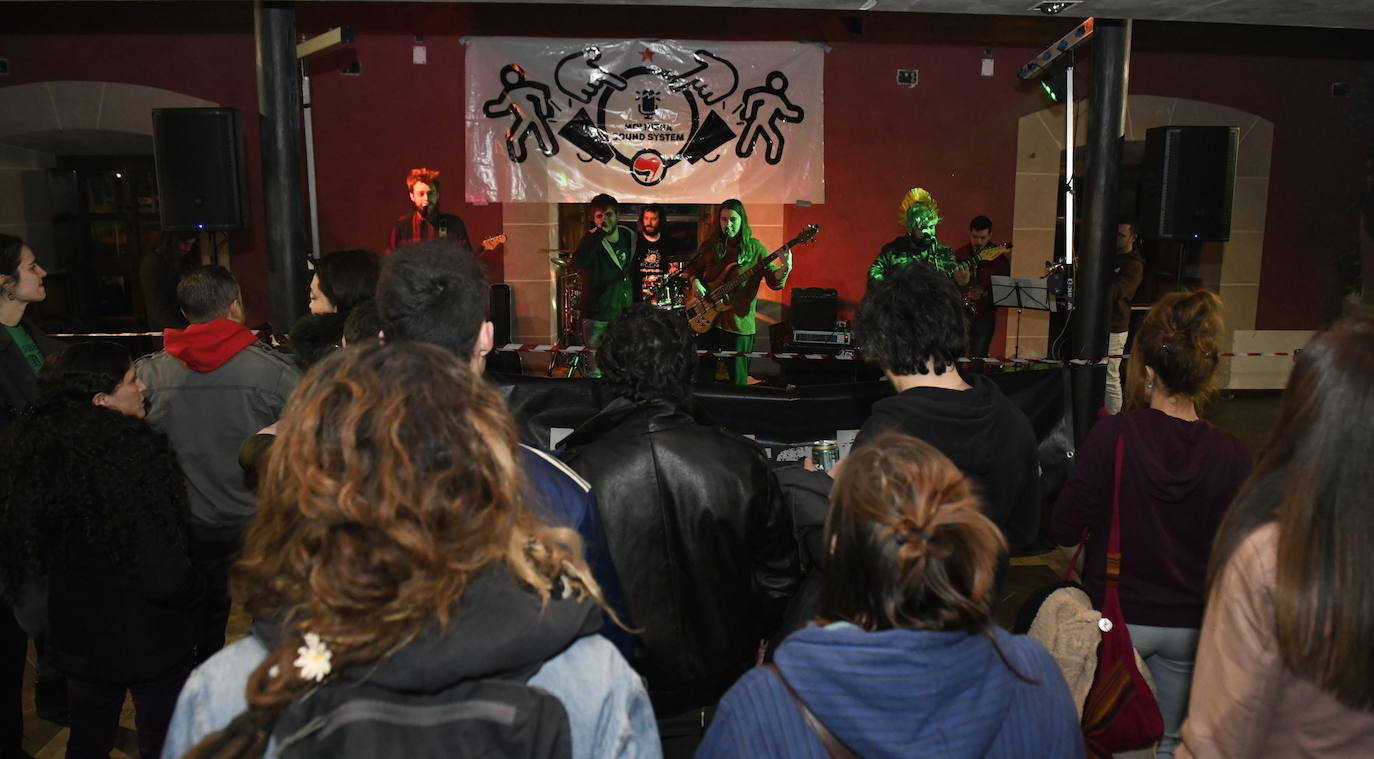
<point x="1053" y="84"/>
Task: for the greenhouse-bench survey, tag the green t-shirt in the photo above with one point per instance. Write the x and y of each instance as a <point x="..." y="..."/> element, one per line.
<point x="26" y="346"/>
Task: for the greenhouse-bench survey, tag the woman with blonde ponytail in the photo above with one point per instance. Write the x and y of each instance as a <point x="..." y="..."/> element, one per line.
<point x="1178" y="475"/>
<point x="904" y="659"/>
<point x="393" y="555"/>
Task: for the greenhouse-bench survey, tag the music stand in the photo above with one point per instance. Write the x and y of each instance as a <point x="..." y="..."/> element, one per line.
<point x="1020" y="293"/>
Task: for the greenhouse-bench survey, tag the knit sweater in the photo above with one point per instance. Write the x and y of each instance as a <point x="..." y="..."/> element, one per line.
<point x="901" y="693"/>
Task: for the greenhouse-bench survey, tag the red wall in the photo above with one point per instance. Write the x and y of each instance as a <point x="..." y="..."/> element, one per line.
<point x="955" y="133"/>
<point x="1315" y="172"/>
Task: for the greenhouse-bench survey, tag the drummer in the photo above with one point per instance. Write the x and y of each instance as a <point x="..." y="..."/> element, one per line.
<point x="656" y="262"/>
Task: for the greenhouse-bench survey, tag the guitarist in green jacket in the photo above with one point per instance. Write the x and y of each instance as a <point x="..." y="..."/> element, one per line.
<point x="733" y="243"/>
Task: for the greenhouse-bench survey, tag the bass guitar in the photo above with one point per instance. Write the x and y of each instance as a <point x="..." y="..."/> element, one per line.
<point x="702" y="310"/>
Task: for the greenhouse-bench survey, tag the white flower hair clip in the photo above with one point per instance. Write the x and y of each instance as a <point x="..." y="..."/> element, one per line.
<point x="313" y="658"/>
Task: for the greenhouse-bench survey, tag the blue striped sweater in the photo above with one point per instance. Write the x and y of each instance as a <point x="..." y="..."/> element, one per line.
<point x="901" y="693"/>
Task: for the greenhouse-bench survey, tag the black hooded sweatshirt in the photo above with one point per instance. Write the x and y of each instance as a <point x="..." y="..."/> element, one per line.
<point x="985" y="435"/>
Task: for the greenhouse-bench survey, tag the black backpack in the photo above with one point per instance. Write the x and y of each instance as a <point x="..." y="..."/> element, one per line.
<point x="476" y="718"/>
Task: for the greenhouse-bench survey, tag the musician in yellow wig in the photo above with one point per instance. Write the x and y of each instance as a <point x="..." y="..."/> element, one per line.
<point x="919" y="214"/>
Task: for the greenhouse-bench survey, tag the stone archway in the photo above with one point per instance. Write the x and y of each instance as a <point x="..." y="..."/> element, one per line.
<point x="41" y="120"/>
<point x="1040" y="140"/>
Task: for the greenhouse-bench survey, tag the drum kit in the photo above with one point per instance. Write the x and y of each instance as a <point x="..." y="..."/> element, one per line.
<point x="668" y="293"/>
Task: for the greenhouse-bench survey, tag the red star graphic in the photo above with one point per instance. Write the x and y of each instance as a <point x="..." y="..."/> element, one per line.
<point x="646" y="54"/>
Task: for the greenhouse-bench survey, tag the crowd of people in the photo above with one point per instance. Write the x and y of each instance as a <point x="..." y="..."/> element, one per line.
<point x="419" y="579"/>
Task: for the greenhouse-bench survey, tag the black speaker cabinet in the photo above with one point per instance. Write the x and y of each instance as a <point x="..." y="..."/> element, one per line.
<point x="501" y="312"/>
<point x="199" y="156"/>
<point x="815" y="308"/>
<point x="1186" y="182"/>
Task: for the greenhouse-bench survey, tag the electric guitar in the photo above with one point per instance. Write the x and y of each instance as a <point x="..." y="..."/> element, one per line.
<point x="702" y="310"/>
<point x="491" y="242"/>
<point x="973" y="295"/>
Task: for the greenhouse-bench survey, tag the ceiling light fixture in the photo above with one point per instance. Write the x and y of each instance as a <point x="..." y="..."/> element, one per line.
<point x="1054" y="7"/>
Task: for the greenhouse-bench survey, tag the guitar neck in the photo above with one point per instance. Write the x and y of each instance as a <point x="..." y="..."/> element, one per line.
<point x="986" y="254"/>
<point x="744" y="275"/>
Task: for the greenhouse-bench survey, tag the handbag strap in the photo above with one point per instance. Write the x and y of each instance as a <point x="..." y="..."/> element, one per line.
<point x="1114" y="536"/>
<point x="1073" y="563"/>
<point x="829" y="742"/>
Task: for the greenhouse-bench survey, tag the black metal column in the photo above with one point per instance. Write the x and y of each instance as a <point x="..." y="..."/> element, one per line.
<point x="1106" y="116"/>
<point x="279" y="122"/>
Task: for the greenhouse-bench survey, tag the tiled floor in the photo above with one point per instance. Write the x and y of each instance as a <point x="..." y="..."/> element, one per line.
<point x="1249" y="417"/>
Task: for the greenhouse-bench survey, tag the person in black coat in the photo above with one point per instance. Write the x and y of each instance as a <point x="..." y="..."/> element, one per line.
<point x="23" y="347"/>
<point x="694" y="519"/>
<point x="93" y="504"/>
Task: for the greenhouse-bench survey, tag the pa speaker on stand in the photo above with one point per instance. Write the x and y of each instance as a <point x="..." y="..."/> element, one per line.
<point x="1187" y="180"/>
<point x="199" y="158"/>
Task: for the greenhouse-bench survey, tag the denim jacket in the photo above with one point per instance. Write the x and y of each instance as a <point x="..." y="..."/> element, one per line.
<point x="608" y="708"/>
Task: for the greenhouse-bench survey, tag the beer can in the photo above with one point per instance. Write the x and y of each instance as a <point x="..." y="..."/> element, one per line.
<point x="824" y="454"/>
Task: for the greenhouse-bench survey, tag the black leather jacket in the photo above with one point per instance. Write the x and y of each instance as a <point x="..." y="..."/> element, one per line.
<point x="701" y="540"/>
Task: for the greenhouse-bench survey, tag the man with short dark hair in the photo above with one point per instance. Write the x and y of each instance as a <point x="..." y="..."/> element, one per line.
<point x="604" y="261"/>
<point x="426" y="221"/>
<point x="694" y="518"/>
<point x="1127" y="274"/>
<point x="212" y="386"/>
<point x="974" y="278"/>
<point x="435" y="293"/>
<point x="912" y="323"/>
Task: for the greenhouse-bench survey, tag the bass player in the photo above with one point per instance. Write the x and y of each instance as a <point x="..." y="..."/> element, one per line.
<point x="733" y="242"/>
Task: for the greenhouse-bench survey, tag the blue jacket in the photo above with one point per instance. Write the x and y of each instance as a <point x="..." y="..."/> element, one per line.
<point x="564" y="498"/>
<point x="498" y="632"/>
<point x="901" y="693"/>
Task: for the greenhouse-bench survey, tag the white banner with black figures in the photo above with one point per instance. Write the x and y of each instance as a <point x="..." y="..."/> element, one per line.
<point x="559" y="120"/>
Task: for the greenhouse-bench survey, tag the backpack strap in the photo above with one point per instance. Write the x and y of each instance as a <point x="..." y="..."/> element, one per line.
<point x="832" y="745"/>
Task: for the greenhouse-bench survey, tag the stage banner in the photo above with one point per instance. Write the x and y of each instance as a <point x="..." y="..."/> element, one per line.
<point x="560" y="120"/>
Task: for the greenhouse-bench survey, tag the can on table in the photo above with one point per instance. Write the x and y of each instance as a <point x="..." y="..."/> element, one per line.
<point x="824" y="454"/>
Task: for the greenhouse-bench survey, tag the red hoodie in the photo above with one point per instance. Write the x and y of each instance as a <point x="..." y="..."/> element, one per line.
<point x="206" y="347"/>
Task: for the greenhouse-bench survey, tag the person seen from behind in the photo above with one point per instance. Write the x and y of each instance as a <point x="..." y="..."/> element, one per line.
<point x="1178" y="475"/>
<point x="1285" y="666"/>
<point x="395" y="557"/>
<point x="904" y="659"/>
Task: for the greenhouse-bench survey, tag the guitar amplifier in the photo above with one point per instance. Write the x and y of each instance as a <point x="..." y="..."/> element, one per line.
<point x="815" y="308"/>
<point x="820" y="337"/>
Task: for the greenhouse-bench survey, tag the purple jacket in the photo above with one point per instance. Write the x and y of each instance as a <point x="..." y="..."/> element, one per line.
<point x="1177" y="480"/>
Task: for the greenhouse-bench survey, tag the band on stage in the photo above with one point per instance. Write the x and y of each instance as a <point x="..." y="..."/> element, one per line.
<point x="715" y="286"/>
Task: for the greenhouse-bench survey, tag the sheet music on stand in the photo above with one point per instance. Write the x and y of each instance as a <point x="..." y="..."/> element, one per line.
<point x="1021" y="293"/>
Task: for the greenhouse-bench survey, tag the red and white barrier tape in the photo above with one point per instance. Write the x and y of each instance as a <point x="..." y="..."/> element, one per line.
<point x="847" y="355"/>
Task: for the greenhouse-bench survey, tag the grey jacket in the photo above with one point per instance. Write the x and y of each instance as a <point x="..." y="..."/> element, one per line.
<point x="207" y="414"/>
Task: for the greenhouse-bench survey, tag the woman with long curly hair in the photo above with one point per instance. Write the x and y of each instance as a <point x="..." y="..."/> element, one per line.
<point x="93" y="502"/>
<point x="393" y="551"/>
<point x="1178" y="475"/>
<point x="1286" y="662"/>
<point x="905" y="659"/>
